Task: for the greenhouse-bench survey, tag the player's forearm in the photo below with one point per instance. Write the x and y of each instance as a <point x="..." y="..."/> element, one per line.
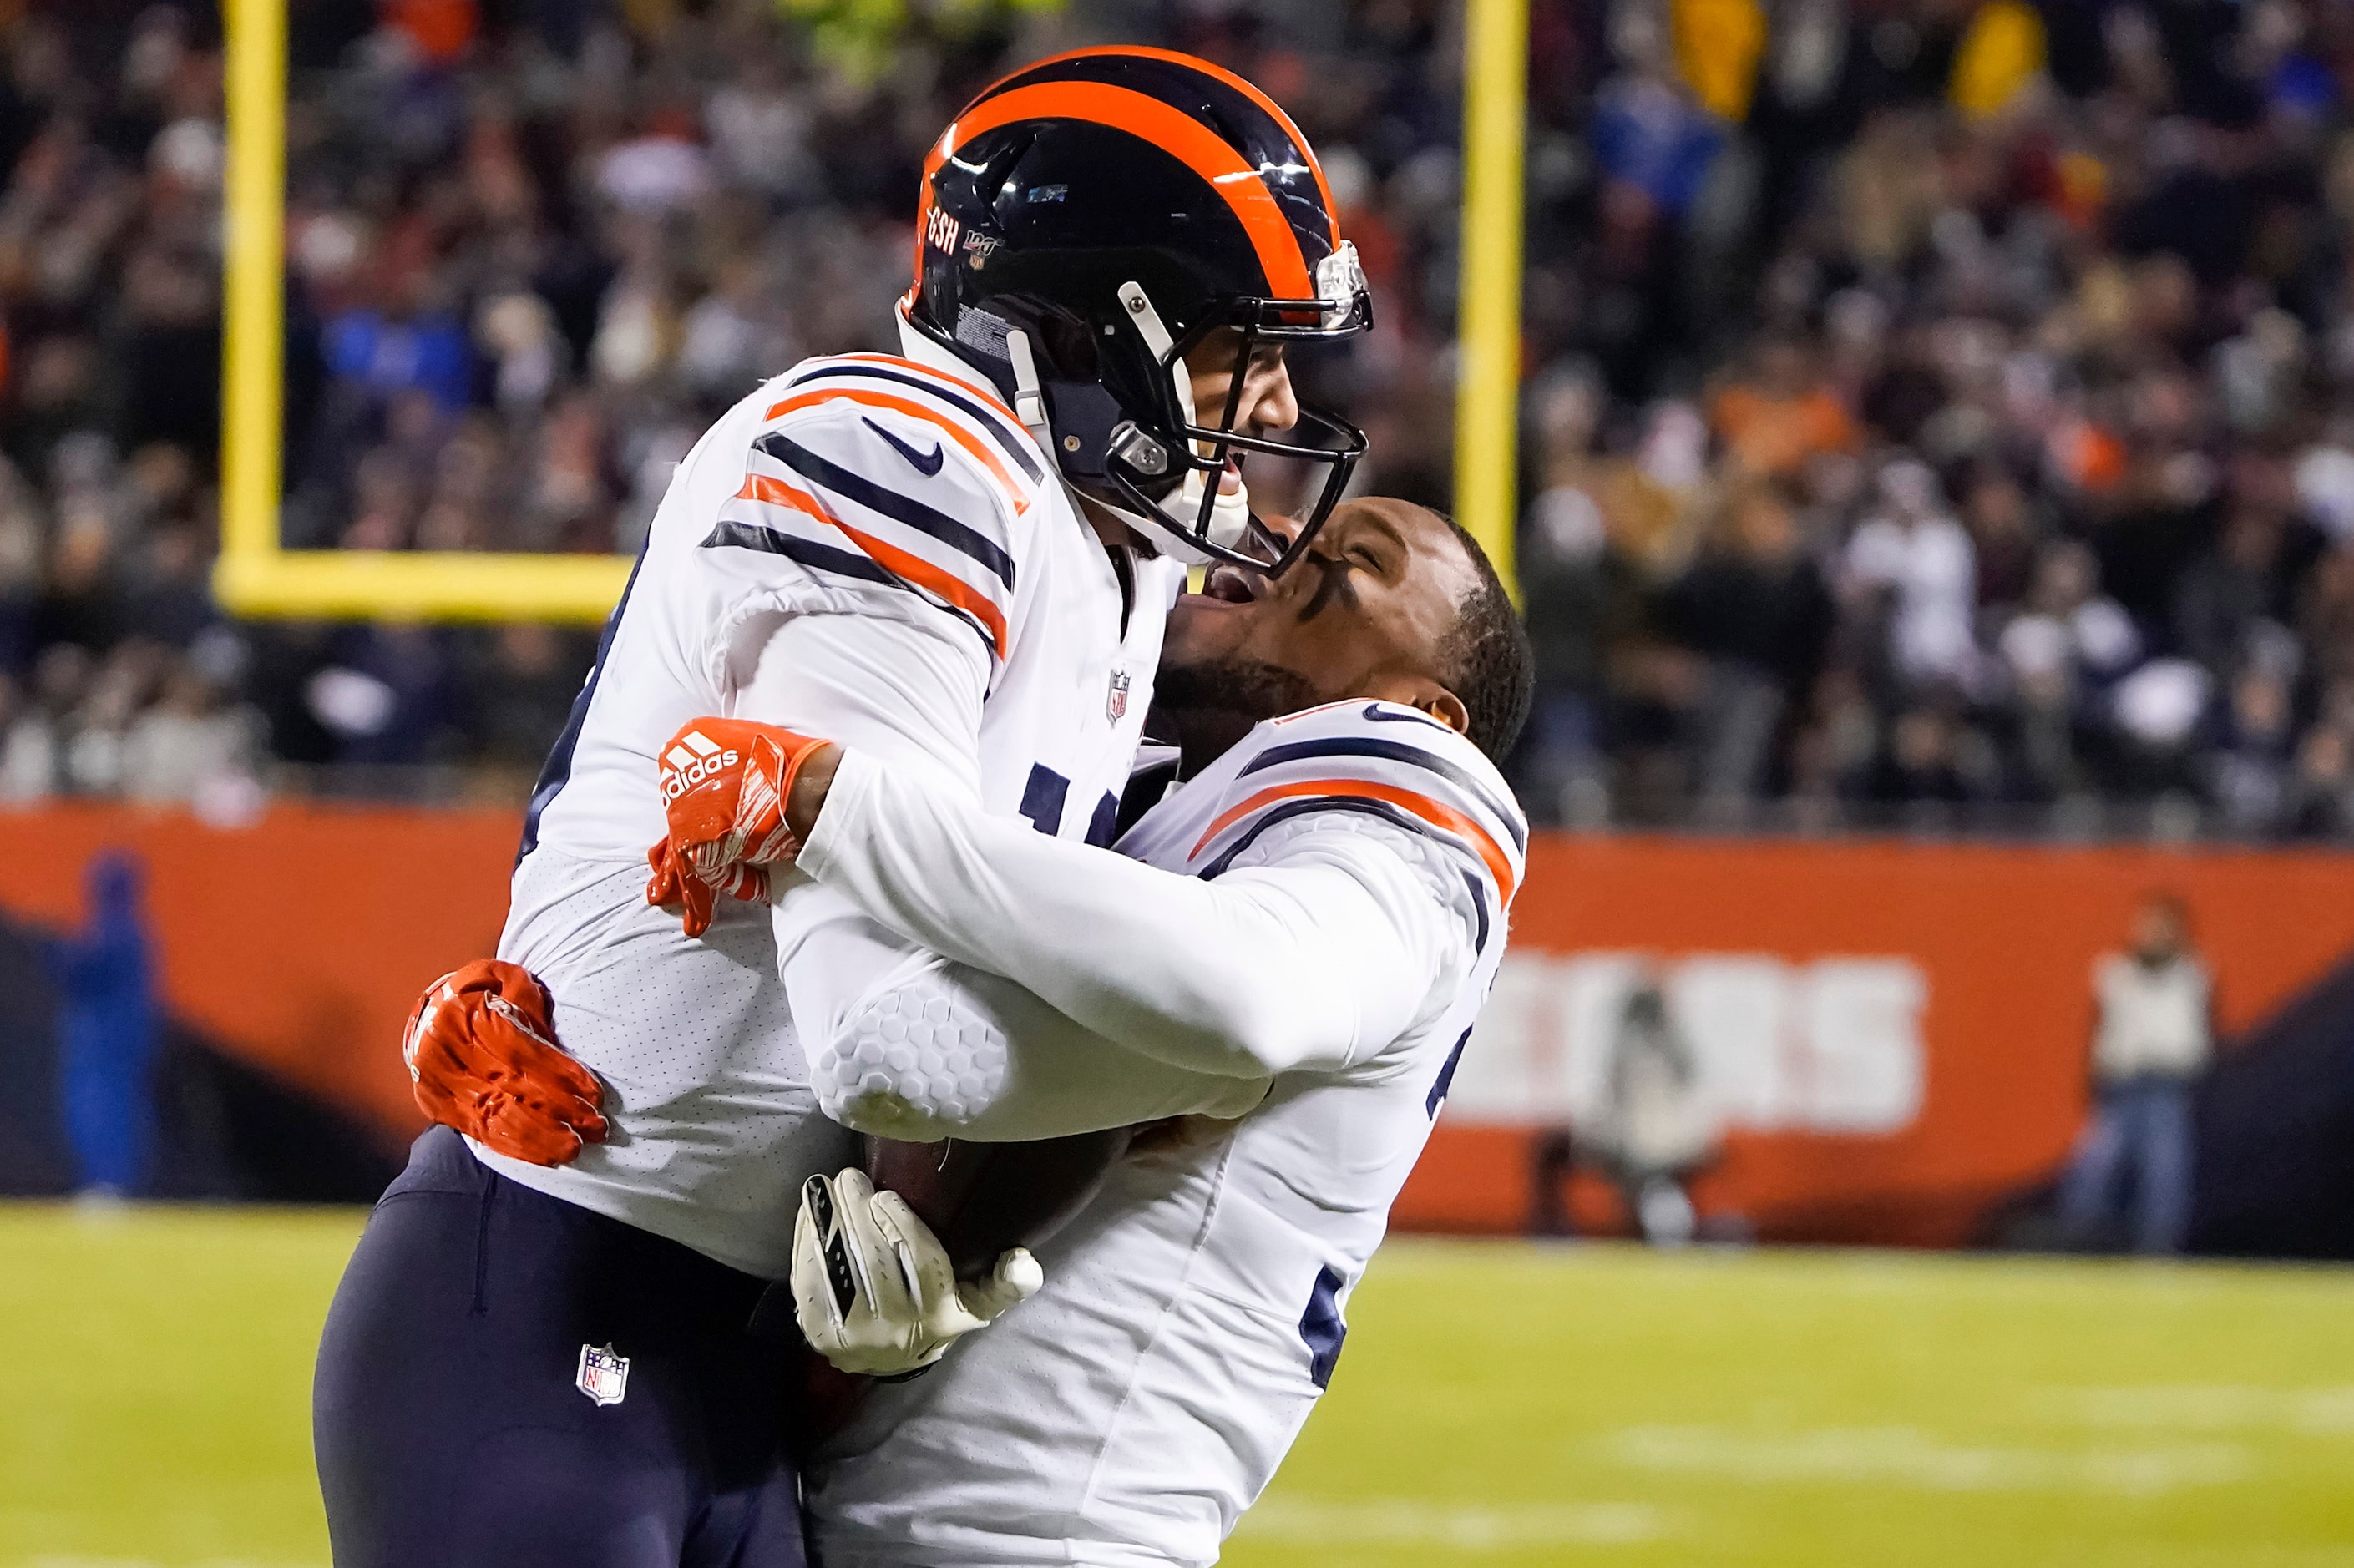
<point x="1244" y="979"/>
<point x="951" y="1053"/>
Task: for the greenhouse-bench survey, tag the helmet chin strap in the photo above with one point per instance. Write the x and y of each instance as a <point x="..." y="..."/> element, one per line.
<point x="1230" y="516"/>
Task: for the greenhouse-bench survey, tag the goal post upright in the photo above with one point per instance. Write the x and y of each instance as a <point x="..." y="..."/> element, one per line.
<point x="1488" y="303"/>
<point x="253" y="280"/>
<point x="256" y="576"/>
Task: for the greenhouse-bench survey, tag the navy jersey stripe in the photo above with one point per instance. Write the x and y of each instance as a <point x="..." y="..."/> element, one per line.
<point x="728" y="532"/>
<point x="1307" y="805"/>
<point x="1321" y="1327"/>
<point x="1043" y="794"/>
<point x="1479" y="903"/>
<point x="1446" y="1081"/>
<point x="901" y="508"/>
<point x="557" y="771"/>
<point x="1393" y="751"/>
<point x="1303" y="807"/>
<point x="1015" y="447"/>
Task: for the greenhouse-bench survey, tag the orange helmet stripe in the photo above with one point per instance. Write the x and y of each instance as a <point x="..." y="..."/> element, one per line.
<point x="1217" y="73"/>
<point x="1174" y="131"/>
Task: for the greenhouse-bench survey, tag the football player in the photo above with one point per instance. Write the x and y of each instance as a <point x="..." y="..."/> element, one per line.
<point x="1308" y="925"/>
<point x="957" y="560"/>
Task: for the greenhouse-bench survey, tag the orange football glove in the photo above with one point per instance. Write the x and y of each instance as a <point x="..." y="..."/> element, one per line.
<point x="724" y="786"/>
<point x="676" y="885"/>
<point x="482" y="1054"/>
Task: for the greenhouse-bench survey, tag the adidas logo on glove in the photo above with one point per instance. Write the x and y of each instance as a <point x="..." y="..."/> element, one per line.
<point x="693" y="760"/>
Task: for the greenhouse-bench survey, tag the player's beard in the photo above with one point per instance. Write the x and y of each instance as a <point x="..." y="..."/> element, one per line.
<point x="1210" y="705"/>
<point x="1249" y="689"/>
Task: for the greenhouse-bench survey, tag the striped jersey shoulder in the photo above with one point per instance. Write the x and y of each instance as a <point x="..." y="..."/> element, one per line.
<point x="1384" y="761"/>
<point x="880" y="470"/>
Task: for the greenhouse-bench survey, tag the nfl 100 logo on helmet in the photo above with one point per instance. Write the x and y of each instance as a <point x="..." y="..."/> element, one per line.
<point x="604" y="1375"/>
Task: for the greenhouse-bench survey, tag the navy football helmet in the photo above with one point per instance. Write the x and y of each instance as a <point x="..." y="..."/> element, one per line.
<point x="1084" y="224"/>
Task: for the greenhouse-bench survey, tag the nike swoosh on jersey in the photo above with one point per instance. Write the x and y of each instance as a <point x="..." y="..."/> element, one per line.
<point x="926" y="464"/>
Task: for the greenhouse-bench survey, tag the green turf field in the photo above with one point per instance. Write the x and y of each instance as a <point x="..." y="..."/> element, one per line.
<point x="1498" y="1405"/>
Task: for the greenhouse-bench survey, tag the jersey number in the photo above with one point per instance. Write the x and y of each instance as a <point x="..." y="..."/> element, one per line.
<point x="1042" y="802"/>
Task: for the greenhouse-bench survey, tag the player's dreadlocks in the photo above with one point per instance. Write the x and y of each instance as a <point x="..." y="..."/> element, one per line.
<point x="1487" y="657"/>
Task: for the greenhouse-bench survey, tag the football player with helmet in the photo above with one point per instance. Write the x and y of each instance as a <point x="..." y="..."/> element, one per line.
<point x="955" y="561"/>
<point x="1285" y="955"/>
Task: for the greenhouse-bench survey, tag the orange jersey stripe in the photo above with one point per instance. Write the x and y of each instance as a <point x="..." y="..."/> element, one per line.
<point x="1175" y="133"/>
<point x="898" y="562"/>
<point x="777" y="493"/>
<point x="959" y="381"/>
<point x="1439" y="816"/>
<point x="923" y="575"/>
<point x="914" y="410"/>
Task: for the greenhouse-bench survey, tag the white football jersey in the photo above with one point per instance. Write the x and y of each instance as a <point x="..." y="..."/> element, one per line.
<point x="867" y="548"/>
<point x="1193" y="1312"/>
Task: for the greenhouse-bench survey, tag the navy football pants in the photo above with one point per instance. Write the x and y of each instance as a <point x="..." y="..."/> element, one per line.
<point x="451" y="1427"/>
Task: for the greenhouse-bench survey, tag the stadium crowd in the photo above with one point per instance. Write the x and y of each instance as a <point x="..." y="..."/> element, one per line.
<point x="1939" y="413"/>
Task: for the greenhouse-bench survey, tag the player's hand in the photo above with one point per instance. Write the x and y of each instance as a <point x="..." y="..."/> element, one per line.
<point x="872" y="1287"/>
<point x="482" y="1054"/>
<point x="725" y="785"/>
<point x="676" y="886"/>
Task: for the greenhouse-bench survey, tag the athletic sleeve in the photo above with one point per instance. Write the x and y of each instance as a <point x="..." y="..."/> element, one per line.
<point x="936" y="1050"/>
<point x="866" y="574"/>
<point x="1322" y="944"/>
<point x="862" y="529"/>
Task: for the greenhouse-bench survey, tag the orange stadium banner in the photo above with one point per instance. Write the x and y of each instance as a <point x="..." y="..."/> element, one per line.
<point x="1890" y="1037"/>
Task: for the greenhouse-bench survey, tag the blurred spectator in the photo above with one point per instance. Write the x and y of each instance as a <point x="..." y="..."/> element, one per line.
<point x="191" y="747"/>
<point x="1913" y="566"/>
<point x="1755" y="606"/>
<point x="1781" y="416"/>
<point x="529" y="682"/>
<point x="2152" y="1039"/>
<point x="1932" y="408"/>
<point x="109" y="1030"/>
<point x="1652" y="1130"/>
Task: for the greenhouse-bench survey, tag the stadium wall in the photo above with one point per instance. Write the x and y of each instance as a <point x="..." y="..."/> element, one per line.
<point x="1891" y="1037"/>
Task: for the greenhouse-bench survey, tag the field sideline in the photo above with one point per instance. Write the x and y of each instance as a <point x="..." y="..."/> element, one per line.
<point x="1498" y="1404"/>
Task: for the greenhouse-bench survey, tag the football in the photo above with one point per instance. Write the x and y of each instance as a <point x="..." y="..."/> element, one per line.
<point x="983" y="1198"/>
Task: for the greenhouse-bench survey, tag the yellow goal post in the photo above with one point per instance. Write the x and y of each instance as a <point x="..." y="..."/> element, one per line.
<point x="257" y="577"/>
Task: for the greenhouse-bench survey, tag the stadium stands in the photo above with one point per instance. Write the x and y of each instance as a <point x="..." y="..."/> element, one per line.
<point x="1938" y="417"/>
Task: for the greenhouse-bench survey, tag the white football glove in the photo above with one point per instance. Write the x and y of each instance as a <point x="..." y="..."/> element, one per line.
<point x="872" y="1287"/>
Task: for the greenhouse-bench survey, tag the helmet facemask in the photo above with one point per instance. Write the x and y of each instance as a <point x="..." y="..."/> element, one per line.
<point x="1159" y="469"/>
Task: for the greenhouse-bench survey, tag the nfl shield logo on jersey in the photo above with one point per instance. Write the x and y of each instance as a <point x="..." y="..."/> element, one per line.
<point x="1116" y="701"/>
<point x="604" y="1376"/>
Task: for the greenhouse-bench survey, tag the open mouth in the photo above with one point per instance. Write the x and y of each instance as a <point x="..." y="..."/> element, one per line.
<point x="1230" y="477"/>
<point x="1230" y="585"/>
